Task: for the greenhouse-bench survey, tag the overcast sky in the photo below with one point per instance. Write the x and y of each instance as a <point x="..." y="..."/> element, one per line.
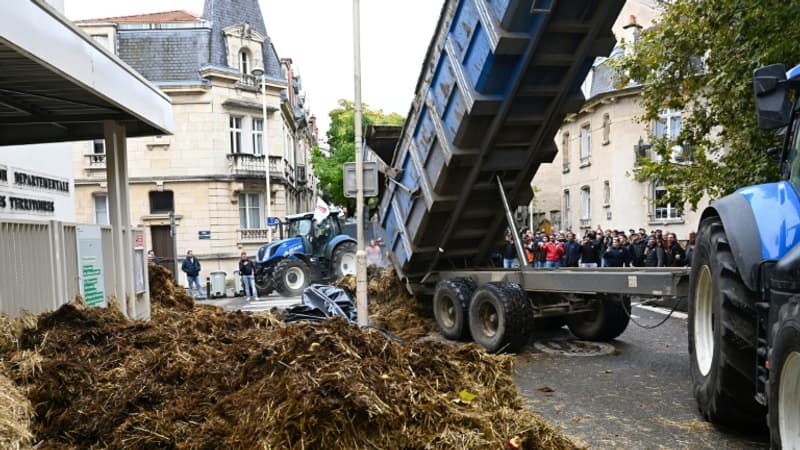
<point x="318" y="36"/>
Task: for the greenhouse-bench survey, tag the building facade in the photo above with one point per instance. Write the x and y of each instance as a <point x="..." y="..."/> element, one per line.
<point x="211" y="175"/>
<point x="591" y="182"/>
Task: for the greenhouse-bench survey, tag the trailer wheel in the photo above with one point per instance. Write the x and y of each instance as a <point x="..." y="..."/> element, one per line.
<point x="500" y="317"/>
<point x="263" y="283"/>
<point x="784" y="378"/>
<point x="451" y="307"/>
<point x="343" y="262"/>
<point x="291" y="277"/>
<point x="607" y="322"/>
<point x="722" y="332"/>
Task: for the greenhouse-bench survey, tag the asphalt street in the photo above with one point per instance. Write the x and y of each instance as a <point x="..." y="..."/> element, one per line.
<point x="637" y="395"/>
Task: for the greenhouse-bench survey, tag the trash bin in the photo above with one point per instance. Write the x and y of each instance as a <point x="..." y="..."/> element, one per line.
<point x="238" y="288"/>
<point x="217" y="284"/>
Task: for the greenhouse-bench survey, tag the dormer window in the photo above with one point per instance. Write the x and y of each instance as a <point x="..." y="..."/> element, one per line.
<point x="244" y="62"/>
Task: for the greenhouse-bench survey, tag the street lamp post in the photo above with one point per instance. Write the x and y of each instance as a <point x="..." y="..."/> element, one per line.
<point x="361" y="257"/>
<point x="259" y="72"/>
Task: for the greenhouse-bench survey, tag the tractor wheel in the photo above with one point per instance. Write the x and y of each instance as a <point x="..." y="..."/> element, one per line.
<point x="343" y="261"/>
<point x="606" y="322"/>
<point x="451" y="307"/>
<point x="291" y="277"/>
<point x="784" y="378"/>
<point x="500" y="317"/>
<point x="722" y="333"/>
<point x="263" y="283"/>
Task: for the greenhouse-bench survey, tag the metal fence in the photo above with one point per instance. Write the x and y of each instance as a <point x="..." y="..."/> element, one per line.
<point x="39" y="265"/>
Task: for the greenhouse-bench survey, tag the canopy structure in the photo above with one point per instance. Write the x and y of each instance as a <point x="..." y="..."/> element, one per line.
<point x="56" y="85"/>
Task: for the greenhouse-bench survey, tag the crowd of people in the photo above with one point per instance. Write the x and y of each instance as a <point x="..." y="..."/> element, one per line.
<point x="600" y="248"/>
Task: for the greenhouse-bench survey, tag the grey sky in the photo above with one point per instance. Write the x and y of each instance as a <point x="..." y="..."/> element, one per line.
<point x="317" y="35"/>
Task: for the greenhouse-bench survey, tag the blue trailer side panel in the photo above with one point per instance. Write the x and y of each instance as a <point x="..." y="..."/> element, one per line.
<point x="496" y="83"/>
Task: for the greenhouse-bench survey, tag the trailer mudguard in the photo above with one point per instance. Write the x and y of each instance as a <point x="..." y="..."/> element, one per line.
<point x="761" y="223"/>
<point x="335" y="242"/>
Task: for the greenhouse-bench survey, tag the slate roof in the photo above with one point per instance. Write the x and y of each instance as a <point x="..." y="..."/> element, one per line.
<point x="165" y="55"/>
<point x="177" y="53"/>
<point x="224" y="13"/>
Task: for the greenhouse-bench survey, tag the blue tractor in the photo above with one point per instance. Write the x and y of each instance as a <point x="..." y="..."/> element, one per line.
<point x="315" y="251"/>
<point x="744" y="298"/>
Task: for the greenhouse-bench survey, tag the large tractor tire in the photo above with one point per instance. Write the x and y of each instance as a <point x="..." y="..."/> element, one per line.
<point x="292" y="276"/>
<point x="722" y="332"/>
<point x="784" y="378"/>
<point x="606" y="322"/>
<point x="500" y="317"/>
<point x="451" y="307"/>
<point x="263" y="283"/>
<point x="343" y="260"/>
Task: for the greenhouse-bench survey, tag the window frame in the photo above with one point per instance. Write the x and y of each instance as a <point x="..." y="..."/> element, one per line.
<point x="586" y="144"/>
<point x="606" y="129"/>
<point x="95" y="198"/>
<point x="565" y="161"/>
<point x="244" y="61"/>
<point x="668" y="211"/>
<point x="152" y="201"/>
<point x="247" y="205"/>
<point x="236" y="142"/>
<point x="257" y="136"/>
<point x="567" y="211"/>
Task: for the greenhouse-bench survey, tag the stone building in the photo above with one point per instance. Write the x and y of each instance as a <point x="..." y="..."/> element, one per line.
<point x="212" y="172"/>
<point x="591" y="181"/>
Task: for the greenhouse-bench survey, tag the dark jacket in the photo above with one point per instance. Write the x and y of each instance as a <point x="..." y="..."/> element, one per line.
<point x="572" y="251"/>
<point x="246" y="267"/>
<point x="590" y="253"/>
<point x="654" y="256"/>
<point x="676" y="257"/>
<point x="191" y="266"/>
<point x="637" y="253"/>
<point x="510" y="250"/>
<point x="616" y="257"/>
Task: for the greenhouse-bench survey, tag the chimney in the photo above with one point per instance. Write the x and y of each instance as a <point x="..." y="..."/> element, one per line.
<point x="632" y="33"/>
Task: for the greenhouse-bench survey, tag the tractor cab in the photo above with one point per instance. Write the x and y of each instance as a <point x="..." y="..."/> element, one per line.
<point x="316" y="235"/>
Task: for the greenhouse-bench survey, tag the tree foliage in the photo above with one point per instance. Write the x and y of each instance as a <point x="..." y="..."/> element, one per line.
<point x="700" y="59"/>
<point x="341" y="139"/>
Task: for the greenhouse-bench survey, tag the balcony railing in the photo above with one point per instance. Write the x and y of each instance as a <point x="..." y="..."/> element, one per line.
<point x="251" y="81"/>
<point x="95" y="161"/>
<point x="247" y="164"/>
<point x="255" y="236"/>
<point x="586" y="223"/>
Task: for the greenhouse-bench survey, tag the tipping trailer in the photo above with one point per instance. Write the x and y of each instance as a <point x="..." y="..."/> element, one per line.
<point x="496" y="83"/>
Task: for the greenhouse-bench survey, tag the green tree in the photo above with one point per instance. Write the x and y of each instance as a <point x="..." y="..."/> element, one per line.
<point x="700" y="59"/>
<point x="341" y="139"/>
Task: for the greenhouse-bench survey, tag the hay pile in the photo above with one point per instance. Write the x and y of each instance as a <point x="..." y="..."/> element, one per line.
<point x="200" y="378"/>
<point x="165" y="291"/>
<point x="391" y="306"/>
<point x="15" y="416"/>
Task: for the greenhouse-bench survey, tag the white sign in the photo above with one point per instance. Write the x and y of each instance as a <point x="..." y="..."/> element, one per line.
<point x="90" y="265"/>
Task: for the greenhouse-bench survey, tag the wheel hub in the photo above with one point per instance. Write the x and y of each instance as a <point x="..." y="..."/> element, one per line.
<point x="294" y="278"/>
<point x="704" y="321"/>
<point x="347" y="266"/>
<point x="447" y="312"/>
<point x="789" y="402"/>
<point x="489" y="319"/>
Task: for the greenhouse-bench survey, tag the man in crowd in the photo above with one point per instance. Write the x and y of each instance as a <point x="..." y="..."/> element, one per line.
<point x="653" y="253"/>
<point x="510" y="253"/>
<point x="572" y="250"/>
<point x="191" y="267"/>
<point x="636" y="249"/>
<point x="373" y="252"/>
<point x="616" y="255"/>
<point x="675" y="256"/>
<point x="553" y="252"/>
<point x="247" y="271"/>
<point x="589" y="251"/>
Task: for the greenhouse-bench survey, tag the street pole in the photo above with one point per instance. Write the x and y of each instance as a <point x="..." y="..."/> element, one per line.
<point x="361" y="256"/>
<point x="265" y="145"/>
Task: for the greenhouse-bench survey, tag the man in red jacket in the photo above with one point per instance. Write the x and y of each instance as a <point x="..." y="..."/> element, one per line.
<point x="553" y="252"/>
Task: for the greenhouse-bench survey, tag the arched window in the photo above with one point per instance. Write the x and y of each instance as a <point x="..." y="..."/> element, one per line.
<point x="244" y="61"/>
